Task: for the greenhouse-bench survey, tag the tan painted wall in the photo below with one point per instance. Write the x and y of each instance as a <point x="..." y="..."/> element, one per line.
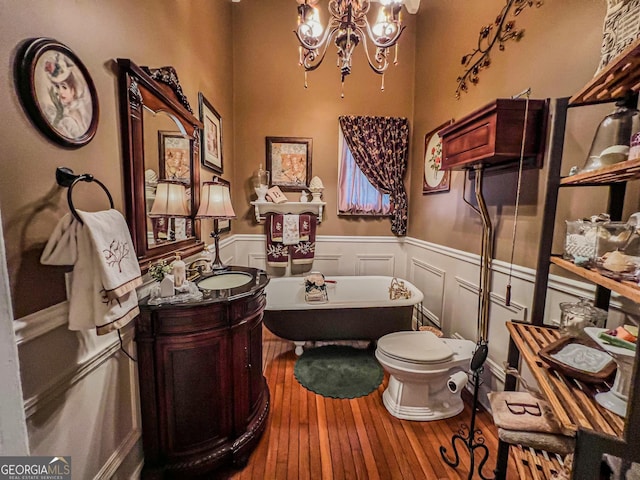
<point x="194" y="37"/>
<point x="243" y="56"/>
<point x="270" y="100"/>
<point x="557" y="56"/>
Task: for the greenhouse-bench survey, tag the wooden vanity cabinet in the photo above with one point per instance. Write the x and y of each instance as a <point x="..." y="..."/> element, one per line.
<point x="203" y="398"/>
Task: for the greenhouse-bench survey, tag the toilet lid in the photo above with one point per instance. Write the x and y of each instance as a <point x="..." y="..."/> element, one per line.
<point x="412" y="346"/>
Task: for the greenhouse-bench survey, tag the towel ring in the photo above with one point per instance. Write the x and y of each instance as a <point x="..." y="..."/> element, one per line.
<point x="66" y="178"/>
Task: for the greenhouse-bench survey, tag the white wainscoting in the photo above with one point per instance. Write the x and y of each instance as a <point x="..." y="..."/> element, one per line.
<point x="81" y="392"/>
<point x="334" y="255"/>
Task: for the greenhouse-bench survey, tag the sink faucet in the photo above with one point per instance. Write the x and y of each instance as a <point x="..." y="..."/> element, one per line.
<point x="198" y="267"/>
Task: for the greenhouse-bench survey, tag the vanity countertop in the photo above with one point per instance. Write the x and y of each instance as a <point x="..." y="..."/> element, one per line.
<point x="259" y="280"/>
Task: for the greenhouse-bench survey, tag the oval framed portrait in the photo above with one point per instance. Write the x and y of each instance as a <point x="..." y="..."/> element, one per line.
<point x="57" y="92"/>
<point x="435" y="179"/>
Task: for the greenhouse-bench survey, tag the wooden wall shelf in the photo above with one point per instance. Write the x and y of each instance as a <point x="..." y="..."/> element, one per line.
<point x="618" y="78"/>
<point x="629" y="290"/>
<point x="262" y="208"/>
<point x="616" y="173"/>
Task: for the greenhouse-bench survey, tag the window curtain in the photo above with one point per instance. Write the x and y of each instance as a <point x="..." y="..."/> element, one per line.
<point x="356" y="195"/>
<point x="379" y="146"/>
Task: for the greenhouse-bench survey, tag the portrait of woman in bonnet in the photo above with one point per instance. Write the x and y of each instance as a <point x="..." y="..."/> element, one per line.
<point x="70" y="108"/>
<point x="57" y="91"/>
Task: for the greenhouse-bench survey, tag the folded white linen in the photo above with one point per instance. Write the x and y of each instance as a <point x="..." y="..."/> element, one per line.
<point x="106" y="271"/>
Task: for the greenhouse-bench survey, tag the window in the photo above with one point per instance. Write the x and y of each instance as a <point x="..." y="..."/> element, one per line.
<point x="356" y="195"/>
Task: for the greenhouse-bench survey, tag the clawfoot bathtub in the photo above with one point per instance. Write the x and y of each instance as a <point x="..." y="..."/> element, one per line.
<point x="359" y="308"/>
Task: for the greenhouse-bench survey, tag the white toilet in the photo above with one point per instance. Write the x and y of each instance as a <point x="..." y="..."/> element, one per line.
<point x="426" y="374"/>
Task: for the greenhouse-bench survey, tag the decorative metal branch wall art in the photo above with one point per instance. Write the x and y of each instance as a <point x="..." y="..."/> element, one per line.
<point x="500" y="31"/>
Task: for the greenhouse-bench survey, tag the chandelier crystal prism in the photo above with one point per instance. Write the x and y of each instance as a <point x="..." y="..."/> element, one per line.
<point x="348" y="27"/>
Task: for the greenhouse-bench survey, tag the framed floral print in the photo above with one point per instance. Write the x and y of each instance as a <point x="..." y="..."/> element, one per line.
<point x="175" y="156"/>
<point x="57" y="92"/>
<point x="211" y="149"/>
<point x="289" y="161"/>
<point x="435" y="179"/>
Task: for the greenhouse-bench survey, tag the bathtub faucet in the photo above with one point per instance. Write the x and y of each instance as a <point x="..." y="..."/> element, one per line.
<point x="398" y="290"/>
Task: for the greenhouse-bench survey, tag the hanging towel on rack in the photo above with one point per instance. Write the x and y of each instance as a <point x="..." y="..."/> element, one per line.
<point x="303" y="252"/>
<point x="277" y="253"/>
<point x="106" y="271"/>
<point x="290" y="229"/>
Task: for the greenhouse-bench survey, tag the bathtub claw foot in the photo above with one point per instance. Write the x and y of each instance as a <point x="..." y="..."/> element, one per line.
<point x="299" y="347"/>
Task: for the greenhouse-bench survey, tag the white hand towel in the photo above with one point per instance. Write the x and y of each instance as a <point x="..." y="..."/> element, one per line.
<point x="106" y="270"/>
<point x="291" y="229"/>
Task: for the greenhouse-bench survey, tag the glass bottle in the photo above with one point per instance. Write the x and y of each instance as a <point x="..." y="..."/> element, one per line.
<point x="261" y="183"/>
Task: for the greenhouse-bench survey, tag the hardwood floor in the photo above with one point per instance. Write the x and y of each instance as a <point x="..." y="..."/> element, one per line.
<point x="312" y="437"/>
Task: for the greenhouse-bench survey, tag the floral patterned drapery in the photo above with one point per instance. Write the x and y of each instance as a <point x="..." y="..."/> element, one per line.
<point x="380" y="146"/>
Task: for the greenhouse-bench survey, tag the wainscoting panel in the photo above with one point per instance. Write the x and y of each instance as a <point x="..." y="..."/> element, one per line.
<point x="327" y="263"/>
<point x="87" y="408"/>
<point x="430" y="281"/>
<point x="257" y="260"/>
<point x="367" y="264"/>
<point x="464" y="319"/>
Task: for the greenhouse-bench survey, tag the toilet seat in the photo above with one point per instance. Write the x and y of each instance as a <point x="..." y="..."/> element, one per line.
<point x="415" y="347"/>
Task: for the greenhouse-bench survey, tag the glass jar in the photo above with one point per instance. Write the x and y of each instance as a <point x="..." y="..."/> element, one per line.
<point x="580" y="242"/>
<point x="618" y="251"/>
<point x="261" y="183"/>
<point x="612" y="138"/>
<point x="576" y="316"/>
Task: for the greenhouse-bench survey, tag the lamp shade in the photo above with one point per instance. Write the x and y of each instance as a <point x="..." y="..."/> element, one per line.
<point x="171" y="200"/>
<point x="215" y="201"/>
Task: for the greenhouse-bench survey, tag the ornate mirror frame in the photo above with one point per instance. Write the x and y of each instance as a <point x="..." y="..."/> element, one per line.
<point x="159" y="91"/>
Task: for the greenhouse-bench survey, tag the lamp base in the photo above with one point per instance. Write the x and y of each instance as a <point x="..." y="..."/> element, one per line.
<point x="217" y="264"/>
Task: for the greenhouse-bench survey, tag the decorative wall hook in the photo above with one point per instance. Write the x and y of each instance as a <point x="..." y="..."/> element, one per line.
<point x="500" y="31"/>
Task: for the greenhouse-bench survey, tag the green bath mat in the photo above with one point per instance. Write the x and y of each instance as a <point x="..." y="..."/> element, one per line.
<point x="339" y="371"/>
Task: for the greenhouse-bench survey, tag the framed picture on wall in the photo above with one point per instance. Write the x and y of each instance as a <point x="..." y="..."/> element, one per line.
<point x="289" y="161"/>
<point x="211" y="149"/>
<point x="435" y="179"/>
<point x="57" y="92"/>
<point x="175" y="155"/>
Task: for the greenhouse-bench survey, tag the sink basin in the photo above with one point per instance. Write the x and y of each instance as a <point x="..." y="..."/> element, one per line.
<point x="225" y="280"/>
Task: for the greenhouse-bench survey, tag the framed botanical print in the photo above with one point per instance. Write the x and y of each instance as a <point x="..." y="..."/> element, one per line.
<point x="289" y="161"/>
<point x="435" y="179"/>
<point x="175" y="156"/>
<point x="211" y="149"/>
<point x="57" y="92"/>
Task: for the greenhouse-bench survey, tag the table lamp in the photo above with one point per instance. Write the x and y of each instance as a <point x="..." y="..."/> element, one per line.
<point x="215" y="202"/>
<point x="170" y="201"/>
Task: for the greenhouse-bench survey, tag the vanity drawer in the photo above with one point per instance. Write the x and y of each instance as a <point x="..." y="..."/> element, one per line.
<point x="243" y="309"/>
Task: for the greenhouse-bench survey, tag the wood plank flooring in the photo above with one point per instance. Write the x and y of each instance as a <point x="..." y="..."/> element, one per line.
<point x="312" y="437"/>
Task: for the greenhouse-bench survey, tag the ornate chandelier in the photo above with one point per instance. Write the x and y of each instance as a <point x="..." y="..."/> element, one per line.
<point x="348" y="26"/>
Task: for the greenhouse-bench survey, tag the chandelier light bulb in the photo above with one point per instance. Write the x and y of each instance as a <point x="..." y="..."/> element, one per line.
<point x="314" y="25"/>
<point x="383" y="29"/>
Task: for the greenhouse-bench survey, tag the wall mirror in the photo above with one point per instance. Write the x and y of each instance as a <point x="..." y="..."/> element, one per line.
<point x="160" y="141"/>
